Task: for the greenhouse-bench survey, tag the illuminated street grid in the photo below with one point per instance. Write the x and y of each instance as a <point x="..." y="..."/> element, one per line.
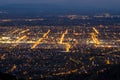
<point x="45" y="51"/>
<point x="55" y="38"/>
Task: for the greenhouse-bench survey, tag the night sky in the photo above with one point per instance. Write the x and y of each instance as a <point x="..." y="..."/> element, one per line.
<point x="88" y="6"/>
<point x="85" y="3"/>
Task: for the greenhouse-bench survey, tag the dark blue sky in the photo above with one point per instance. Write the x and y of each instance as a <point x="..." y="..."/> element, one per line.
<point x="110" y="5"/>
<point x="92" y="3"/>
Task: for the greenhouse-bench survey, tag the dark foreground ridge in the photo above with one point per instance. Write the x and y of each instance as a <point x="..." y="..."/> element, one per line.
<point x="112" y="73"/>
